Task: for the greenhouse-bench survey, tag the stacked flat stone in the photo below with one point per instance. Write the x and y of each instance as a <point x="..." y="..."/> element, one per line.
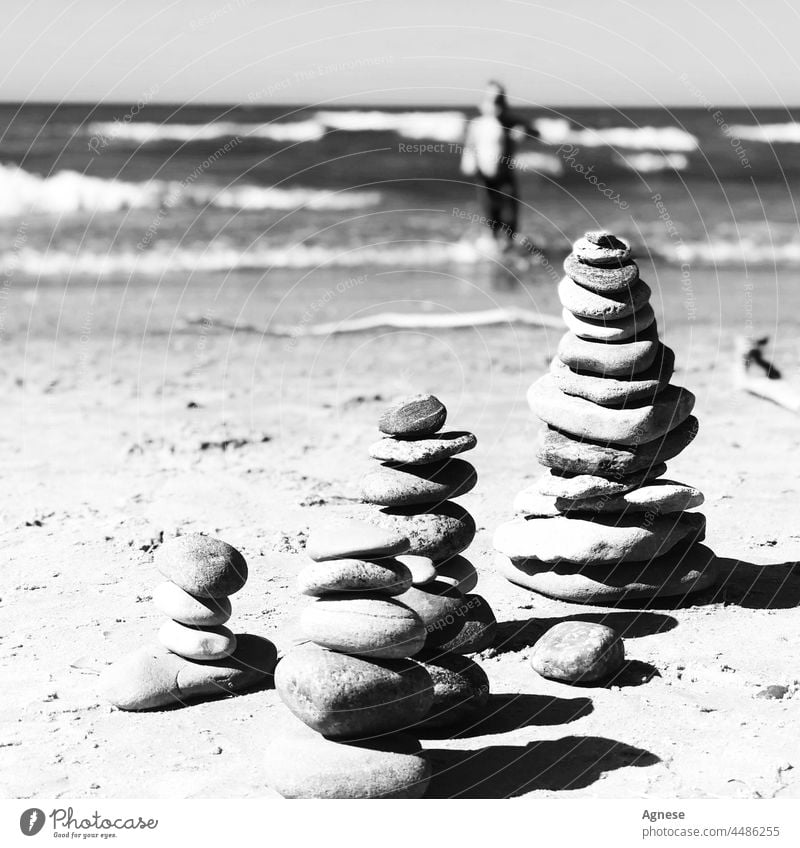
<point x="602" y="525"/>
<point x="197" y="655"/>
<point x="412" y="491"/>
<point x="353" y="682"/>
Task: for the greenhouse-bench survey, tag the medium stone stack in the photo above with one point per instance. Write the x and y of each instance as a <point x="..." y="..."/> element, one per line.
<point x="601" y="525"/>
<point x="353" y="681"/>
<point x="412" y="488"/>
<point x="198" y="656"/>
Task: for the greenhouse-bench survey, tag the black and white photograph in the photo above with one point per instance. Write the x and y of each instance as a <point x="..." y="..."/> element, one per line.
<point x="402" y="401"/>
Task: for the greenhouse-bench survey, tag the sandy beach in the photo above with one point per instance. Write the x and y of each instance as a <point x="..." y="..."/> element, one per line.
<point x="128" y="424"/>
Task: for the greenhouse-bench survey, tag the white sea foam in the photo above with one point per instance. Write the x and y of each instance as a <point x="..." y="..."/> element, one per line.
<point x="217" y="258"/>
<point x="648" y="163"/>
<point x="440" y="126"/>
<point x="738" y="253"/>
<point x="22" y="192"/>
<point x="447" y="126"/>
<point x="560" y="131"/>
<point x="788" y="133"/>
<point x="539" y="163"/>
<point x="148" y="133"/>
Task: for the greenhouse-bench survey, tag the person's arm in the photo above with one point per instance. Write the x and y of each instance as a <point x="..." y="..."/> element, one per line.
<point x="522" y="129"/>
<point x="469" y="159"/>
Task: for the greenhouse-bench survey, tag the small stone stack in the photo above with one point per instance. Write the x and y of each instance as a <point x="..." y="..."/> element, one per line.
<point x="203" y="572"/>
<point x="354" y="683"/>
<point x="412" y="487"/>
<point x="601" y="525"/>
<point x="197" y="656"/>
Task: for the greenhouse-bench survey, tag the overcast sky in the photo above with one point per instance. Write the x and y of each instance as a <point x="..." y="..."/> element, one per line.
<point x="553" y="52"/>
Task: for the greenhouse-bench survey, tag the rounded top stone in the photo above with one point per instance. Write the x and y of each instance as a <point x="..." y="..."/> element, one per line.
<point x="603" y="238"/>
<point x="413" y="416"/>
<point x="601" y="248"/>
<point x="202" y="565"/>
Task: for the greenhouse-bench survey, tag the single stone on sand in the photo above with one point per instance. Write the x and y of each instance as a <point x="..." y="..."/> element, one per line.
<point x="610" y="329"/>
<point x="684" y="570"/>
<point x="611" y="391"/>
<point x="418" y="484"/>
<point x="302" y="764"/>
<point x="197" y="643"/>
<point x="368" y="625"/>
<point x="586" y="303"/>
<point x="438" y="532"/>
<point x="153" y="676"/>
<point x="459" y="573"/>
<point x="613" y="280"/>
<point x="460" y="690"/>
<point x="351" y="539"/>
<point x="585" y="456"/>
<point x="774" y="692"/>
<point x="610" y="359"/>
<point x="343" y="696"/>
<point x="658" y="497"/>
<point x="578" y="652"/>
<point x="578" y="486"/>
<point x="387" y="576"/>
<point x="596" y="539"/>
<point x="624" y="426"/>
<point x="413" y="416"/>
<point x="422" y="568"/>
<point x="202" y="566"/>
<point x="424" y="450"/>
<point x="189" y="609"/>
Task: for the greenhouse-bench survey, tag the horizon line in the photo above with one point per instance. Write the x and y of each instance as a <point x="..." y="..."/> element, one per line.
<point x="372" y="105"/>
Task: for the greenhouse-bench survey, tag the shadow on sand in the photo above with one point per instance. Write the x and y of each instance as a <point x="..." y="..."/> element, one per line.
<point x="509" y="712"/>
<point x="743" y="584"/>
<point x="506" y="771"/>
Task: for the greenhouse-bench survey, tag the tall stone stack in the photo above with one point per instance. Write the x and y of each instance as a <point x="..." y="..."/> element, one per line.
<point x="353" y="684"/>
<point x="197" y="656"/>
<point x="601" y="524"/>
<point x="412" y="491"/>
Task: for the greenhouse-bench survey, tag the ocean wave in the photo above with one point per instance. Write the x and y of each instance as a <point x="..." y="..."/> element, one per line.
<point x="539" y="163"/>
<point x="733" y="253"/>
<point x="788" y="133"/>
<point x="447" y="126"/>
<point x="220" y="258"/>
<point x="149" y="133"/>
<point x="440" y="126"/>
<point x="649" y="163"/>
<point x="22" y="192"/>
<point x="560" y="131"/>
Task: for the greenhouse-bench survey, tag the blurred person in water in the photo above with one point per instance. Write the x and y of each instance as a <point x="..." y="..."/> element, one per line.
<point x="488" y="154"/>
